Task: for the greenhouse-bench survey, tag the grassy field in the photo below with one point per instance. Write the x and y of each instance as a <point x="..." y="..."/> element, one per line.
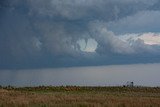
<point x="72" y="96"/>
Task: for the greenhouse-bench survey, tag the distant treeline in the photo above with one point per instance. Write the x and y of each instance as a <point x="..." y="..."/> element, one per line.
<point x="85" y="88"/>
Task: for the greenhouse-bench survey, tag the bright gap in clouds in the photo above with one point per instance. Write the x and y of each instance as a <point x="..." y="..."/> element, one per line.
<point x="151" y="38"/>
<point x="148" y="38"/>
<point x="89" y="45"/>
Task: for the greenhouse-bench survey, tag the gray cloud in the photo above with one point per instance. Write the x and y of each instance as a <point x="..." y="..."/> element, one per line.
<point x="45" y="33"/>
<point x="107" y="41"/>
<point x="143" y="21"/>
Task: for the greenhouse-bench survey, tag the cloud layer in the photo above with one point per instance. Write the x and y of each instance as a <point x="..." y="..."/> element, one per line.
<point x="46" y="33"/>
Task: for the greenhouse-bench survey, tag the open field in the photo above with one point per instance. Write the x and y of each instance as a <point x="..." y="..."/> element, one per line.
<point x="72" y="96"/>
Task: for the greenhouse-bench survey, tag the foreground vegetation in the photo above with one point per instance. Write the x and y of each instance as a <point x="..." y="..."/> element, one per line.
<point x="73" y="96"/>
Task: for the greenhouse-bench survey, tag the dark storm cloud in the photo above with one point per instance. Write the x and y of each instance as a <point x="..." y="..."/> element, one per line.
<point x="45" y="33"/>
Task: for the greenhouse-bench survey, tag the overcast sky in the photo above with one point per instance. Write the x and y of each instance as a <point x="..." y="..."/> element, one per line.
<point x="67" y="33"/>
<point x="112" y="75"/>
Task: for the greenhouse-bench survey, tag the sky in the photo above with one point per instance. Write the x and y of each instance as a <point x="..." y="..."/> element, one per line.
<point x="37" y="34"/>
<point x="111" y="75"/>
